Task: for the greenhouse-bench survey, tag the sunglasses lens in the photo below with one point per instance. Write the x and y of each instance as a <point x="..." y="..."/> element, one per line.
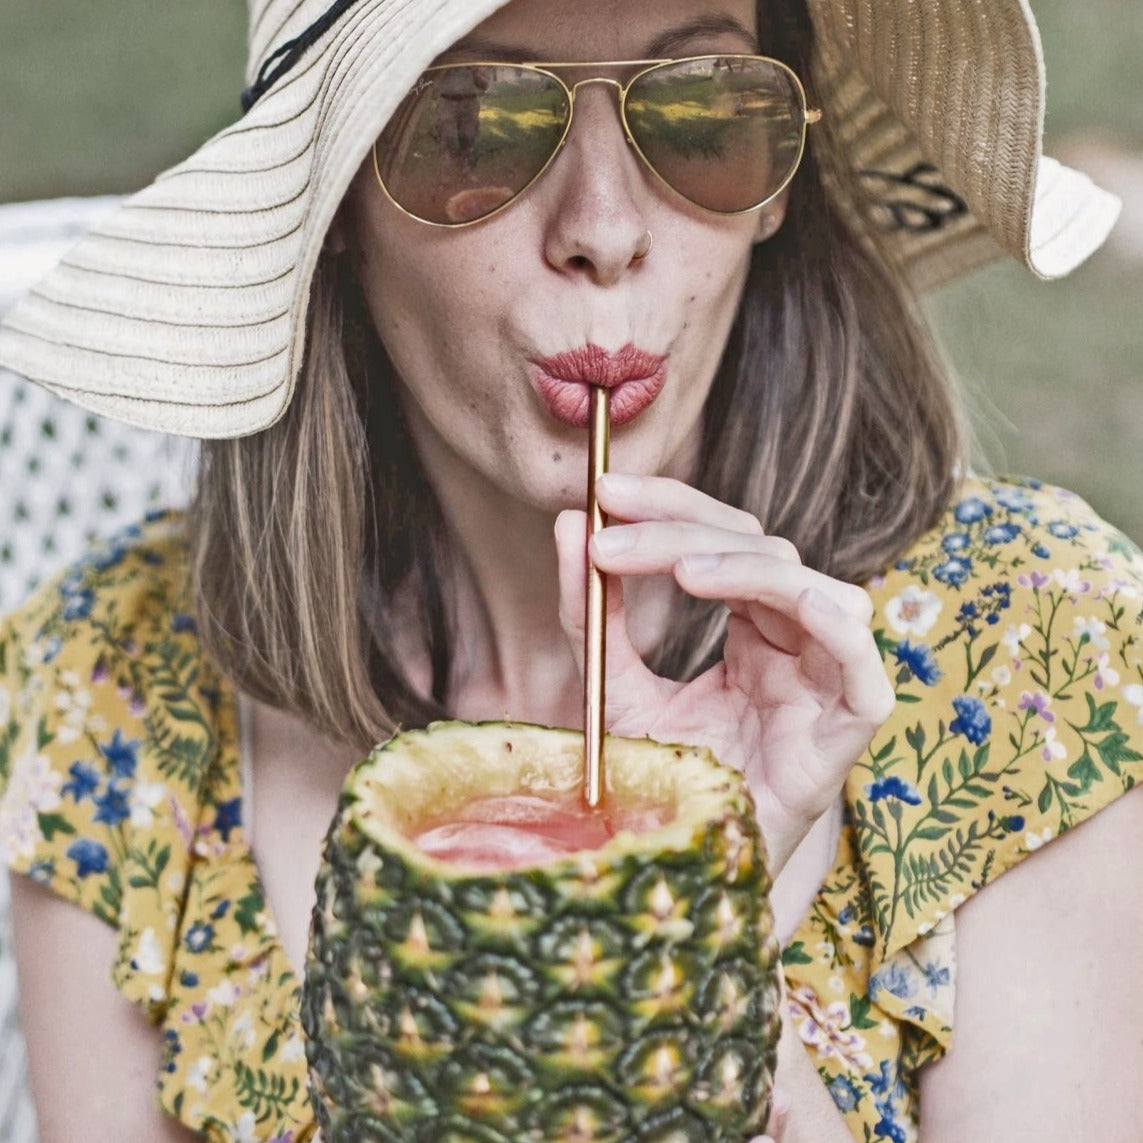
<point x="467" y="140"/>
<point x="726" y="132"/>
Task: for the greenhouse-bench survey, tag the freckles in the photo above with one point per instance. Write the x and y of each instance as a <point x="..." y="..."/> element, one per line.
<point x="557" y="457"/>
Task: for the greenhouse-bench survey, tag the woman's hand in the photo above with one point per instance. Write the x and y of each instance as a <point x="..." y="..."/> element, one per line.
<point x="801" y="688"/>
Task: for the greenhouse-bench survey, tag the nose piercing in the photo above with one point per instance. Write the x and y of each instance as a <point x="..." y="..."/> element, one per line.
<point x="645" y="244"/>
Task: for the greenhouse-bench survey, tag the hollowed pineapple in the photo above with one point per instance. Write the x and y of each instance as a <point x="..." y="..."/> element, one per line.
<point x="622" y="993"/>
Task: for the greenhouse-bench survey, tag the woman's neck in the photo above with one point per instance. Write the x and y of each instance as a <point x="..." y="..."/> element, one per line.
<point x="511" y="657"/>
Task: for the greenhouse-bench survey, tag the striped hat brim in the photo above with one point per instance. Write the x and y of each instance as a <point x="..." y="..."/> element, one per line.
<point x="184" y="311"/>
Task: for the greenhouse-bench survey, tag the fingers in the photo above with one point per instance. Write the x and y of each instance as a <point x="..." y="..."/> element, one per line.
<point x="776" y="583"/>
<point x="631" y="685"/>
<point x="840" y="643"/>
<point x="637" y="498"/>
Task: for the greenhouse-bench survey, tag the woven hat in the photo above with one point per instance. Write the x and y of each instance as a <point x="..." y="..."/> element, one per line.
<point x="184" y="311"/>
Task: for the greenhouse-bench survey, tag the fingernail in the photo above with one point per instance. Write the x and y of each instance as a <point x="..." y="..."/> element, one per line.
<point x="618" y="483"/>
<point x="612" y="541"/>
<point x="821" y="603"/>
<point x="701" y="562"/>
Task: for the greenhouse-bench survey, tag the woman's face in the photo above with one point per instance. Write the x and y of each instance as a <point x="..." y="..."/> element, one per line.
<point x="490" y="326"/>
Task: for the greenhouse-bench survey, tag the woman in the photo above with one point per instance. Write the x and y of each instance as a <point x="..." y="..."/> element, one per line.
<point x="401" y="405"/>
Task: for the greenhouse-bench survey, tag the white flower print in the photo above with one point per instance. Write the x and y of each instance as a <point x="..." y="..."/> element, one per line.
<point x="145" y="797"/>
<point x="1070" y="581"/>
<point x="913" y="612"/>
<point x="148" y="958"/>
<point x="828" y="1029"/>
<point x="1014" y="636"/>
<point x="74" y="704"/>
<point x="198" y="1074"/>
<point x="1033" y="840"/>
<point x="1052" y="750"/>
<point x="34" y="788"/>
<point x="244" y="1130"/>
<point x="1094" y="629"/>
<point x="1134" y="695"/>
<point x="1105" y="674"/>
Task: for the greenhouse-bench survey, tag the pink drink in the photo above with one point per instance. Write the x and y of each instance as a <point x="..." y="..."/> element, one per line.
<point x="494" y="835"/>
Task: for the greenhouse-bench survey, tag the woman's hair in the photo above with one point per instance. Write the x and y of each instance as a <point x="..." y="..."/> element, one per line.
<point x="829" y="418"/>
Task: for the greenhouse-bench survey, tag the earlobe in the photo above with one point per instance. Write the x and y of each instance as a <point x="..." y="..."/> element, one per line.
<point x="335" y="242"/>
<point x="770" y="219"/>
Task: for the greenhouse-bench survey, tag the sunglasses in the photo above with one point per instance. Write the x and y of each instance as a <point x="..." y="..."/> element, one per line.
<point x="725" y="132"/>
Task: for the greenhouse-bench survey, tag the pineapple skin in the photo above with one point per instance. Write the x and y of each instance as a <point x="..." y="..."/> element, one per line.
<point x="627" y="994"/>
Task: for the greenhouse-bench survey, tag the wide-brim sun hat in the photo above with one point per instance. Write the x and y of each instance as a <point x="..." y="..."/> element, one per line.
<point x="184" y="310"/>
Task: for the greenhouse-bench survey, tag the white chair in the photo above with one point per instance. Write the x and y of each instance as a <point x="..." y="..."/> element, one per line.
<point x="66" y="476"/>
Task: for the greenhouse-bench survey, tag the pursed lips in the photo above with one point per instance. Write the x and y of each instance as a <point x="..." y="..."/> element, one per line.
<point x="564" y="381"/>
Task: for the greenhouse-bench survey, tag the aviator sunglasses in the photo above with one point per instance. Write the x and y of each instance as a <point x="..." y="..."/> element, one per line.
<point x="726" y="132"/>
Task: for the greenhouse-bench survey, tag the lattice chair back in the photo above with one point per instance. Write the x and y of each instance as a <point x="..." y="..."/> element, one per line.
<point x="66" y="476"/>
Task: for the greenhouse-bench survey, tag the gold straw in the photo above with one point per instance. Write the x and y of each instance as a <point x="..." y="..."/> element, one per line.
<point x="595" y="645"/>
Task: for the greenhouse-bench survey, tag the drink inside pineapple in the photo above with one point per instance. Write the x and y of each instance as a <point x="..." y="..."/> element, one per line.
<point x="513" y="831"/>
<point x="606" y="978"/>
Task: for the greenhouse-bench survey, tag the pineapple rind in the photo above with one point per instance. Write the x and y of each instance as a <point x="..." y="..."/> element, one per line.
<point x="627" y="994"/>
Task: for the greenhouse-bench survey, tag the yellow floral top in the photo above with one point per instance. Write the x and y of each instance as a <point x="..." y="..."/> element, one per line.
<point x="1012" y="632"/>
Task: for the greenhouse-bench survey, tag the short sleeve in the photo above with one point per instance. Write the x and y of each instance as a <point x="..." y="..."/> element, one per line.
<point x="1013" y="635"/>
<point x="94" y="774"/>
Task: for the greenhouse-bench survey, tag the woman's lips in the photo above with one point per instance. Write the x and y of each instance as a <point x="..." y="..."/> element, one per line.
<point x="564" y="381"/>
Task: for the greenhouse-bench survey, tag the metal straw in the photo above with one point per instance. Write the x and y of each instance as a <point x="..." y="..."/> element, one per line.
<point x="595" y="645"/>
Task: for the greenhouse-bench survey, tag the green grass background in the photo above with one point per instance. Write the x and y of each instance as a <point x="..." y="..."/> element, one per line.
<point x="99" y="96"/>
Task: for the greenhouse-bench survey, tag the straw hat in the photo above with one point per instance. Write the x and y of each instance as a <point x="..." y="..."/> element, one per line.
<point x="185" y="310"/>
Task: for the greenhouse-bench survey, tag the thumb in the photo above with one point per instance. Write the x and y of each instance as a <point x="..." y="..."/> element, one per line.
<point x="632" y="689"/>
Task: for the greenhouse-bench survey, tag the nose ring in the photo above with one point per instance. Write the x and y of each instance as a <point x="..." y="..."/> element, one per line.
<point x="645" y="244"/>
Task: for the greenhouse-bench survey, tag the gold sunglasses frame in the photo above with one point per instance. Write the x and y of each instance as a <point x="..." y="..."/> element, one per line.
<point x="810" y="116"/>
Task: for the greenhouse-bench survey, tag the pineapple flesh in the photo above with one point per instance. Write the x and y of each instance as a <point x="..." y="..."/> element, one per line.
<point x="626" y="993"/>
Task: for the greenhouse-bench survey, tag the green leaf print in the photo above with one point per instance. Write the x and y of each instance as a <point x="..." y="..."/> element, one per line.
<point x="268" y="1096"/>
<point x="247" y="910"/>
<point x="795" y="953"/>
<point x="51" y="824"/>
<point x="859" y="1012"/>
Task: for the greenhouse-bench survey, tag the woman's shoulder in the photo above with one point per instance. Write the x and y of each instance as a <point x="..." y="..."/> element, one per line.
<point x="1013" y="632"/>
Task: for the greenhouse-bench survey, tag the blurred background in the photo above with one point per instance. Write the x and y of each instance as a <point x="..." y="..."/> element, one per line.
<point x="98" y="97"/>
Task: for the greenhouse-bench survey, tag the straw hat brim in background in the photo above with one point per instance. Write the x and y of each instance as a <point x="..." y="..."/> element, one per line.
<point x="184" y="311"/>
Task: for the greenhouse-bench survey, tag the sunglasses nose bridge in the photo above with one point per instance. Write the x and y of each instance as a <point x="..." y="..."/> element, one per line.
<point x="607" y="81"/>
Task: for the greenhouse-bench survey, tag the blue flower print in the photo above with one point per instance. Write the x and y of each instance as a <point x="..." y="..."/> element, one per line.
<point x="78" y="604"/>
<point x="887" y="1129"/>
<point x="1041" y="551"/>
<point x="84" y="781"/>
<point x="972" y="510"/>
<point x="180" y="621"/>
<point x="122" y="755"/>
<point x="106" y="560"/>
<point x="1002" y="533"/>
<point x="954" y="572"/>
<point x="228" y="817"/>
<point x="894" y="979"/>
<point x="936" y="976"/>
<point x="89" y="857"/>
<point x="919" y="660"/>
<point x="199" y="936"/>
<point x="885" y="1082"/>
<point x="1062" y="530"/>
<point x="1014" y="499"/>
<point x="893" y="787"/>
<point x="972" y="719"/>
<point x="955" y="542"/>
<point x="844" y="1092"/>
<point x="111" y="806"/>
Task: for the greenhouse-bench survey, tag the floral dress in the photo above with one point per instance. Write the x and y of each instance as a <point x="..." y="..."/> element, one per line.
<point x="1012" y="632"/>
